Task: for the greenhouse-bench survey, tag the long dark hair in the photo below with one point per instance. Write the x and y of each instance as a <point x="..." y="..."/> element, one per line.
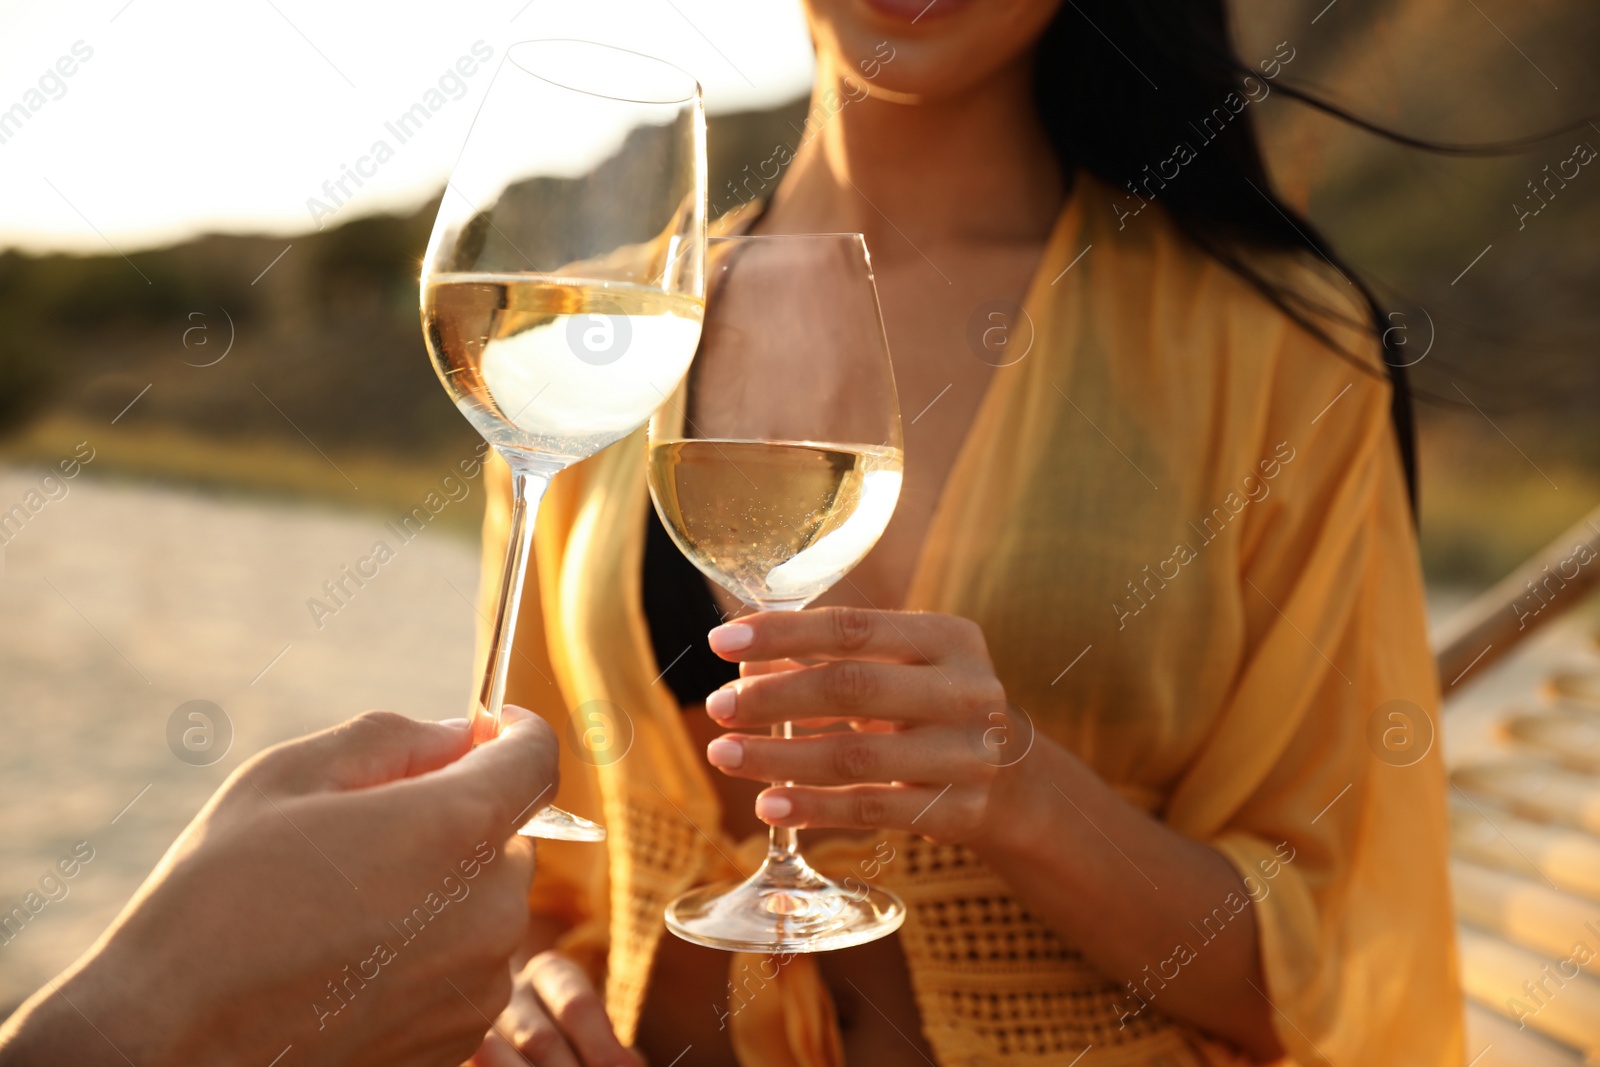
<point x="1118" y="83"/>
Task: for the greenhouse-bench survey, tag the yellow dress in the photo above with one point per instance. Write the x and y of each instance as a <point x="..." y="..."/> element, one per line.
<point x="1200" y="507"/>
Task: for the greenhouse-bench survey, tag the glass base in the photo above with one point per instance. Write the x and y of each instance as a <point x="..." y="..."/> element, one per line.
<point x="553" y="824"/>
<point x="785" y="907"/>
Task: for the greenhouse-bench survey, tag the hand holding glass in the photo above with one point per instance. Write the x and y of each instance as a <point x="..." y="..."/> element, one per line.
<point x="775" y="470"/>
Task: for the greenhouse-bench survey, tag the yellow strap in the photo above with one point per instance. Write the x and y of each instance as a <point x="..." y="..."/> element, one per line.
<point x="789" y="1019"/>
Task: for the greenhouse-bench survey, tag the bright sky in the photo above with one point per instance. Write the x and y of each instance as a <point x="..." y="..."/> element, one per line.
<point x="189" y="115"/>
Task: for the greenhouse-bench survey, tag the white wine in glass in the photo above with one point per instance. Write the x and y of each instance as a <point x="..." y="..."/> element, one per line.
<point x="775" y="470"/>
<point x="776" y="522"/>
<point x="504" y="345"/>
<point x="564" y="284"/>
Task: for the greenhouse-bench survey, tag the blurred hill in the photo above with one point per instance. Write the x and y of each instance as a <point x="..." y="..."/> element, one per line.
<point x="257" y="363"/>
<point x="327" y="383"/>
<point x="1509" y="392"/>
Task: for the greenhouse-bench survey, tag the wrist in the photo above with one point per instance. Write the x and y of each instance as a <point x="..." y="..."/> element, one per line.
<point x="108" y="995"/>
<point x="1026" y="822"/>
<point x="77" y="1018"/>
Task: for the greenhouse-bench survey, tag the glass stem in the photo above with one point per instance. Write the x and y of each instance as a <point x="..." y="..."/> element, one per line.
<point x="527" y="489"/>
<point x="783" y="842"/>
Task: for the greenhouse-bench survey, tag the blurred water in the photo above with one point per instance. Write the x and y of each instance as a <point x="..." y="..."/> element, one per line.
<point x="118" y="603"/>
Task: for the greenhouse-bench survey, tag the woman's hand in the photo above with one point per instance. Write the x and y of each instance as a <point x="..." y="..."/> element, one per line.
<point x="936" y="752"/>
<point x="555" y="1019"/>
<point x="933" y="737"/>
<point x="355" y="895"/>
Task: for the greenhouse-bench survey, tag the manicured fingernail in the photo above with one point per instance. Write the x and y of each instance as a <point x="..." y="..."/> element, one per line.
<point x="732" y="637"/>
<point x="725" y="752"/>
<point x="771" y="807"/>
<point x="721" y="704"/>
<point x="454" y="724"/>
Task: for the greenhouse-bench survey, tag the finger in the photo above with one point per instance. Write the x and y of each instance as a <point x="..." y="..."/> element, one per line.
<point x="507" y="885"/>
<point x="914" y="808"/>
<point x="515" y="774"/>
<point x="756" y="667"/>
<point x="846" y="758"/>
<point x="496" y="1051"/>
<point x="471" y="1051"/>
<point x="568" y="995"/>
<point x="750" y="668"/>
<point x="850" y="633"/>
<point x="543" y="1046"/>
<point x="851" y="689"/>
<point x="531" y="1036"/>
<point x="371" y="749"/>
<point x="528" y="1033"/>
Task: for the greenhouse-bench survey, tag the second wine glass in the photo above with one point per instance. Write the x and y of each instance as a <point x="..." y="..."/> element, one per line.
<point x="775" y="469"/>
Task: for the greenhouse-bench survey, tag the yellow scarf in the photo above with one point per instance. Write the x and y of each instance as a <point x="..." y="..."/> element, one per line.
<point x="1181" y="523"/>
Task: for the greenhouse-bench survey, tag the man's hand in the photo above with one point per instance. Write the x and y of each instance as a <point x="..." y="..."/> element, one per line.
<point x="355" y="896"/>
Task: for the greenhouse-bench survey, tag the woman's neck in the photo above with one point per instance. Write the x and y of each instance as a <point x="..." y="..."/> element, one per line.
<point x="973" y="168"/>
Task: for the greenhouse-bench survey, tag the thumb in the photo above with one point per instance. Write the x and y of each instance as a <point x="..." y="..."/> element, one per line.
<point x="517" y="771"/>
<point x="371" y="749"/>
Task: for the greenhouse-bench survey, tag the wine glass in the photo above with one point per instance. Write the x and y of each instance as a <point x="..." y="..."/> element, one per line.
<point x="775" y="469"/>
<point x="564" y="283"/>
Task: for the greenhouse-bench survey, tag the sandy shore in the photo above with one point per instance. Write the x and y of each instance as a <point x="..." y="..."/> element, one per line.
<point x="119" y="602"/>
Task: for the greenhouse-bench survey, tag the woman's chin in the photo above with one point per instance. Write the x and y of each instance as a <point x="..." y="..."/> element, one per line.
<point x="919" y="12"/>
<point x="910" y="51"/>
